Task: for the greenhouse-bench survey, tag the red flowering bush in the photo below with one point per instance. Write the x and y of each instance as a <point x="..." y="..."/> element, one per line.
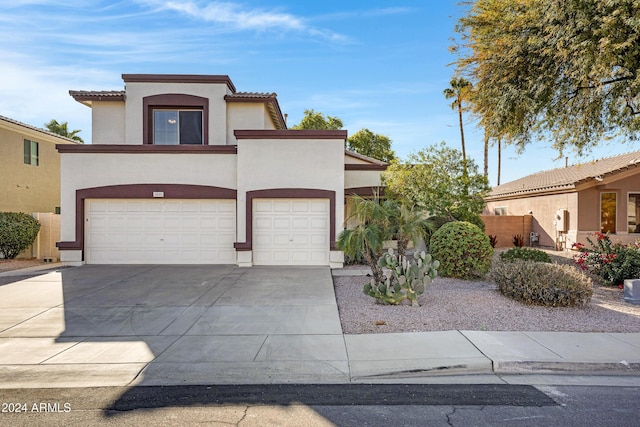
<point x="612" y="262"/>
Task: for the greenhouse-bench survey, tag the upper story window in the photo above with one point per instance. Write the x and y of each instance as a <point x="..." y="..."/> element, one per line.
<point x="177" y="127"/>
<point x="31" y="153"/>
<point x="175" y="119"/>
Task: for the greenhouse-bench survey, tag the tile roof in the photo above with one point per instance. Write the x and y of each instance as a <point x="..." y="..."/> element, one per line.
<point x="365" y="158"/>
<point x="37" y="129"/>
<point x="565" y="178"/>
<point x="252" y="95"/>
<point x="86" y="96"/>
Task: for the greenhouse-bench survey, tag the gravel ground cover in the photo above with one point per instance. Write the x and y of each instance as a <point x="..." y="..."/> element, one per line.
<point x="451" y="304"/>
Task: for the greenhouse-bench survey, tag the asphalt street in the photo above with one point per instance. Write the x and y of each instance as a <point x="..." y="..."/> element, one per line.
<point x="325" y="405"/>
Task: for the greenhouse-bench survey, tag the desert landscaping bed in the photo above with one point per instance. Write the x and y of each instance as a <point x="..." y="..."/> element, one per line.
<point x="451" y="304"/>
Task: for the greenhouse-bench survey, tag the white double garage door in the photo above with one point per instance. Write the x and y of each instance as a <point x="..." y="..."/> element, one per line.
<point x="197" y="231"/>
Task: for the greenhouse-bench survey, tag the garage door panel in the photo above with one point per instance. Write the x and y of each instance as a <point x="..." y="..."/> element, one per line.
<point x="318" y="206"/>
<point x="281" y="206"/>
<point x="160" y="231"/>
<point x="300" y="223"/>
<point x="291" y="232"/>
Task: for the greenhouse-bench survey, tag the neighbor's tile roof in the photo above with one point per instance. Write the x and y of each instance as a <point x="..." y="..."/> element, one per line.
<point x="565" y="178"/>
<point x="36" y="129"/>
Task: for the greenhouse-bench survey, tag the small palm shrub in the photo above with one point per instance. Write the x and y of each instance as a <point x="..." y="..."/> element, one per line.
<point x="540" y="283"/>
<point x="463" y="250"/>
<point x="17" y="231"/>
<point x="525" y="254"/>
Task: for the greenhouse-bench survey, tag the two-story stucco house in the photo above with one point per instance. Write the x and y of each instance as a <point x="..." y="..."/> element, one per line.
<point x="29" y="168"/>
<point x="185" y="169"/>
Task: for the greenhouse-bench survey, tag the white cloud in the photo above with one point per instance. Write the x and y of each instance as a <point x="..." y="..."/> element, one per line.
<point x="34" y="93"/>
<point x="239" y="17"/>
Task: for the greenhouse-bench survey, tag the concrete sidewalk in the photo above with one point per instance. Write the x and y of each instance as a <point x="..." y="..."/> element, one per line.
<point x="174" y="325"/>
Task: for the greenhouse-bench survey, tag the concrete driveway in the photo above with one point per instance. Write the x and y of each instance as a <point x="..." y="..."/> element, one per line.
<point x="161" y="325"/>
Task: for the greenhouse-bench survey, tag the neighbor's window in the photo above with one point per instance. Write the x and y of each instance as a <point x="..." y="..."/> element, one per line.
<point x="31" y="150"/>
<point x="608" y="213"/>
<point x="633" y="213"/>
<point x="501" y="211"/>
<point x="177" y="127"/>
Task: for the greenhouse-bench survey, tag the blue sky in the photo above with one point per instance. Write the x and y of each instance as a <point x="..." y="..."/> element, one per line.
<point x="375" y="64"/>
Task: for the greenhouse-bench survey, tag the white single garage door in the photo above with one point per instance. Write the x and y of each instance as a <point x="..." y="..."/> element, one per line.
<point x="141" y="231"/>
<point x="290" y="232"/>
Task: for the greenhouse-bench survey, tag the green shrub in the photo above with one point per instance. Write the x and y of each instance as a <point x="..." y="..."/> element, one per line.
<point x="541" y="283"/>
<point x="17" y="231"/>
<point x="472" y="217"/>
<point x="463" y="250"/>
<point x="525" y="254"/>
<point x="612" y="262"/>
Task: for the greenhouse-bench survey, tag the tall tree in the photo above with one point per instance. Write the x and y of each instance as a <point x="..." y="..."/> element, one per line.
<point x="486" y="154"/>
<point x="371" y="144"/>
<point x="434" y="179"/>
<point x="62" y="129"/>
<point x="459" y="89"/>
<point x="316" y="120"/>
<point x="499" y="158"/>
<point x="566" y="70"/>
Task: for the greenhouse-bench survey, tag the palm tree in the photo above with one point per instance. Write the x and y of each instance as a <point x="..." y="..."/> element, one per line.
<point x="486" y="154"/>
<point x="459" y="90"/>
<point x="367" y="238"/>
<point x="499" y="158"/>
<point x="62" y="129"/>
<point x="407" y="224"/>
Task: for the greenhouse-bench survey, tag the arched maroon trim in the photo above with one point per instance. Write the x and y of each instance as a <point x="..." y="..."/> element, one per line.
<point x="173" y="100"/>
<point x="138" y="191"/>
<point x="287" y="193"/>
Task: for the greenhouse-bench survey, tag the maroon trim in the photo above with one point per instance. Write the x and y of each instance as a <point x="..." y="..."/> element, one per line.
<point x="290" y="134"/>
<point x="363" y="167"/>
<point x="138" y="191"/>
<point x="148" y="149"/>
<point x="287" y="193"/>
<point x="364" y="191"/>
<point x="173" y="100"/>
<point x="269" y="100"/>
<point x="178" y="78"/>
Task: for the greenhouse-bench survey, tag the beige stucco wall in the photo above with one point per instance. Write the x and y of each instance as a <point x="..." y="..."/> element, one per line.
<point x="246" y="115"/>
<point x="543" y="209"/>
<point x="357" y="179"/>
<point x="108" y="123"/>
<point x="135" y="92"/>
<point x="96" y="170"/>
<point x="589" y="205"/>
<point x="27" y="188"/>
<point x="290" y="163"/>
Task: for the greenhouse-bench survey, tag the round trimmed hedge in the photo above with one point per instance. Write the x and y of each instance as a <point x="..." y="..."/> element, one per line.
<point x="463" y="250"/>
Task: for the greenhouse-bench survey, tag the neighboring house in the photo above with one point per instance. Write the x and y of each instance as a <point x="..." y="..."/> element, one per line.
<point x="29" y="168"/>
<point x="569" y="204"/>
<point x="185" y="169"/>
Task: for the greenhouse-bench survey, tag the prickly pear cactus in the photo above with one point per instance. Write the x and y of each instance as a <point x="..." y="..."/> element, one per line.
<point x="404" y="279"/>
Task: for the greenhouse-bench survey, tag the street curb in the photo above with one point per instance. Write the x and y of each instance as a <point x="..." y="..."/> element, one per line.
<point x="594" y="368"/>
